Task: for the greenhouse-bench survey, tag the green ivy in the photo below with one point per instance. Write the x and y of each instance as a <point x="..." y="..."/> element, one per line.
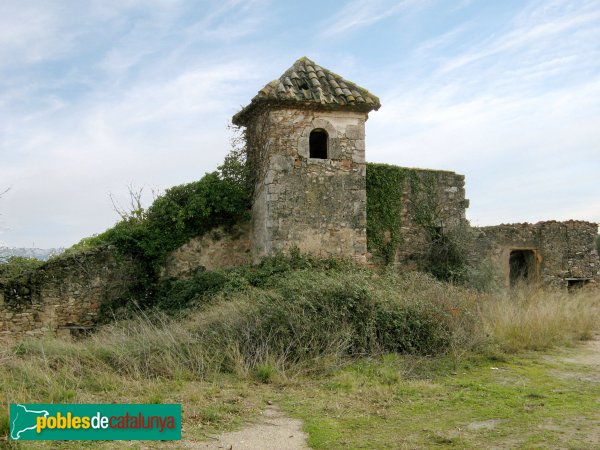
<point x="385" y="192"/>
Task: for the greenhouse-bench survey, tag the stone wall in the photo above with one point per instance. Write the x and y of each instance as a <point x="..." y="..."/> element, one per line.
<point x="217" y="249"/>
<point x="63" y="296"/>
<point x="431" y="198"/>
<point x="565" y="252"/>
<point x="317" y="205"/>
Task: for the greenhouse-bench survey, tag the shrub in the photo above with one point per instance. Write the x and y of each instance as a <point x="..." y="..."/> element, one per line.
<point x="181" y="213"/>
<point x="308" y="315"/>
<point x="17" y="266"/>
<point x="201" y="286"/>
<point x="413" y="329"/>
<point x="220" y="198"/>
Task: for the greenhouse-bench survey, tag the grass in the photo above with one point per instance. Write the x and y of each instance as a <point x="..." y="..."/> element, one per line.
<point x="368" y="360"/>
<point x="479" y="403"/>
<point x="534" y="319"/>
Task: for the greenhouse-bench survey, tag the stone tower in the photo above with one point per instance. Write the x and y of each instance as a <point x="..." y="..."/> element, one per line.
<point x="306" y="145"/>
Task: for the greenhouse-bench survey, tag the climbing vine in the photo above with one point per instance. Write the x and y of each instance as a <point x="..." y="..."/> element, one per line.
<point x="397" y="194"/>
<point x="385" y="193"/>
<point x="446" y="255"/>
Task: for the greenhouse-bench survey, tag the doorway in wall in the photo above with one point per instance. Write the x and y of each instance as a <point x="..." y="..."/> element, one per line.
<point x="522" y="266"/>
<point x="576" y="283"/>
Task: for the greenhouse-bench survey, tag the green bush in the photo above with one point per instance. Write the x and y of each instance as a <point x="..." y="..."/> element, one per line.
<point x="180" y="294"/>
<point x="203" y="285"/>
<point x="16" y="266"/>
<point x="310" y="313"/>
<point x="447" y="256"/>
<point x="421" y="329"/>
<point x="182" y="212"/>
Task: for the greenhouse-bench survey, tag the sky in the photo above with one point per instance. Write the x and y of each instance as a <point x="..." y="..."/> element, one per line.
<point x="99" y="95"/>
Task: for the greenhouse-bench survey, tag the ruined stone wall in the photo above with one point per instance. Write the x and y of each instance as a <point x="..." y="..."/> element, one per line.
<point x="62" y="296"/>
<point x="431" y="198"/>
<point x="563" y="250"/>
<point x="317" y="205"/>
<point x="218" y="249"/>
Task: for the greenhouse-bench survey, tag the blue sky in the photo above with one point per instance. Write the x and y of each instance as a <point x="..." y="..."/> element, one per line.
<point x="100" y="94"/>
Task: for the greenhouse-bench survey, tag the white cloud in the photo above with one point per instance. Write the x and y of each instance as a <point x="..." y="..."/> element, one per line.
<point x="518" y="114"/>
<point x="151" y="110"/>
<point x="359" y="14"/>
<point x="143" y="93"/>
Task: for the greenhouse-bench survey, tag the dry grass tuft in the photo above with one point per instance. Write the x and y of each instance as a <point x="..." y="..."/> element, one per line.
<point x="536" y="319"/>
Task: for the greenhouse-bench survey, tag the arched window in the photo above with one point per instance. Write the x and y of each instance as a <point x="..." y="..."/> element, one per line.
<point x="318" y="143"/>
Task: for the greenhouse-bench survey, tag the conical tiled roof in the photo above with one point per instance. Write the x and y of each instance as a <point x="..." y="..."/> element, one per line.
<point x="309" y="85"/>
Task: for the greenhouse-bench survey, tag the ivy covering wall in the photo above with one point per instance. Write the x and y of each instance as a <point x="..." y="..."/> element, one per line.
<point x="385" y="195"/>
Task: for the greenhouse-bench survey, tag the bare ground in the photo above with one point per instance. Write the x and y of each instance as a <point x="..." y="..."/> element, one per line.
<point x="274" y="431"/>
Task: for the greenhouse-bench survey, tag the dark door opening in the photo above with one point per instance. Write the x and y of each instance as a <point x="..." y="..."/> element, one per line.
<point x="522" y="266"/>
<point x="576" y="283"/>
<point x="318" y="143"/>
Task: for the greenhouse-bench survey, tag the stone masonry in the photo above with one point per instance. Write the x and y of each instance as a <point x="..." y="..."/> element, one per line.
<point x="563" y="254"/>
<point x="445" y="199"/>
<point x="218" y="249"/>
<point x="317" y="204"/>
<point x="305" y="136"/>
<point x="62" y="297"/>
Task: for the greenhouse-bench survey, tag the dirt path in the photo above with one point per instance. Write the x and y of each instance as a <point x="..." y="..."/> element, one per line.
<point x="588" y="355"/>
<point x="274" y="431"/>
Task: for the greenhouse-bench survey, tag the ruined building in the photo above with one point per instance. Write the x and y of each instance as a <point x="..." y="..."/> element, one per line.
<point x="305" y="137"/>
<point x="306" y="140"/>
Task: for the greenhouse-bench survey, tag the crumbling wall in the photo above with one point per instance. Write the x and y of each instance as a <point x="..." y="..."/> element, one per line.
<point x="434" y="201"/>
<point x="62" y="296"/>
<point x="564" y="251"/>
<point x="217" y="249"/>
<point x="317" y="205"/>
<point x="65" y="295"/>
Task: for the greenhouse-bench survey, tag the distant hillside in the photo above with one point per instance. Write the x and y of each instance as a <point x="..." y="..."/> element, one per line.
<point x="38" y="253"/>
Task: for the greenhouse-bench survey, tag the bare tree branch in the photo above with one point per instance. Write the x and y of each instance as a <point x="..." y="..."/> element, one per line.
<point x="135" y="210"/>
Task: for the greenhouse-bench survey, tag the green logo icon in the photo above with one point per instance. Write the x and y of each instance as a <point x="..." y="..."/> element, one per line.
<point x="95" y="422"/>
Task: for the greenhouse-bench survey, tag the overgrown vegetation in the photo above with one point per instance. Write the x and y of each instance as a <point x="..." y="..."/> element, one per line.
<point x="17" y="266"/>
<point x="395" y="194"/>
<point x="301" y="308"/>
<point x="385" y="194"/>
<point x="185" y="211"/>
<point x="447" y="253"/>
<point x="529" y="318"/>
<point x="328" y="327"/>
<point x="219" y="199"/>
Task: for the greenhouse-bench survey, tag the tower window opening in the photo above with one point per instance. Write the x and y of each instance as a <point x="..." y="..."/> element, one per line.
<point x="318" y="143"/>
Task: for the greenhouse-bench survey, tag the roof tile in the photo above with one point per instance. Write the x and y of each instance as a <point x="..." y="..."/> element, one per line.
<point x="307" y="84"/>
